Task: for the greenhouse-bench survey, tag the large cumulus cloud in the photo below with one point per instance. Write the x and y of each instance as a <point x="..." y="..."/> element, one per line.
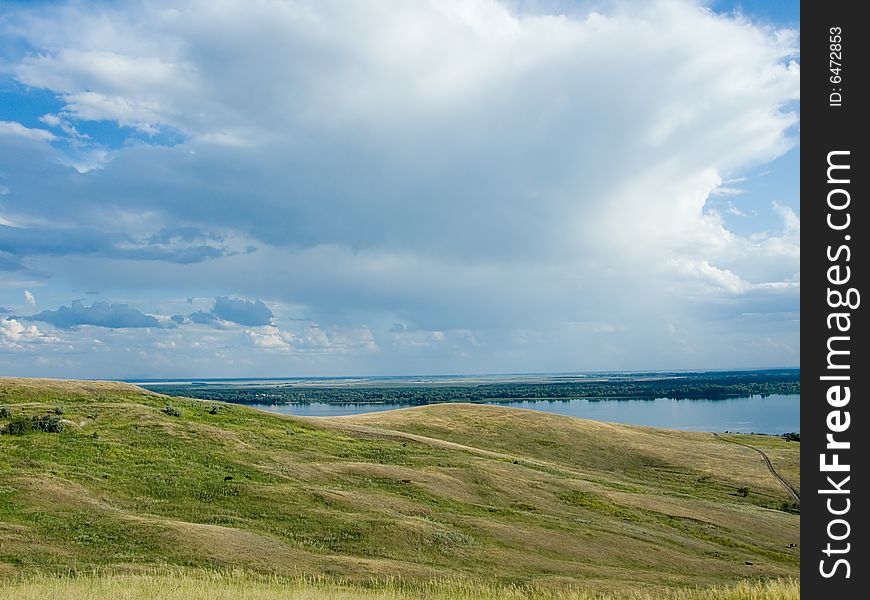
<point x="452" y="166"/>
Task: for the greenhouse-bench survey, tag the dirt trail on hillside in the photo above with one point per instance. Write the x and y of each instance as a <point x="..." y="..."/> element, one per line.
<point x="789" y="487"/>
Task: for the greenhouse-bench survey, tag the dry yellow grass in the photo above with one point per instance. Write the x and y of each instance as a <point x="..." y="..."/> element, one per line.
<point x="32" y="387"/>
<point x="591" y="445"/>
<point x="236" y="586"/>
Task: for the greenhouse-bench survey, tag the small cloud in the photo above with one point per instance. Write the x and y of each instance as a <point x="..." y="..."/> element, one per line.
<point x="270" y="337"/>
<point x="50" y="120"/>
<point x="99" y="314"/>
<point x="398" y="328"/>
<point x="733" y="210"/>
<point x="13" y="334"/>
<point x="86" y="160"/>
<point x="312" y="340"/>
<point x="715" y="277"/>
<point x="19" y="130"/>
<point x="791" y="222"/>
<point x="203" y="318"/>
<point x="181" y="233"/>
<point x="727" y="191"/>
<point x="235" y="310"/>
<point x="165" y="321"/>
<point x="29" y="298"/>
<point x="75" y="136"/>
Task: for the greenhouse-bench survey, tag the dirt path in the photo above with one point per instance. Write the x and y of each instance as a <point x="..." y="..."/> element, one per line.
<point x="438" y="443"/>
<point x="791" y="490"/>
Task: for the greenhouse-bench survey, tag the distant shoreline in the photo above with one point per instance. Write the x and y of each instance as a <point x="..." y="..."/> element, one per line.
<point x="457" y="379"/>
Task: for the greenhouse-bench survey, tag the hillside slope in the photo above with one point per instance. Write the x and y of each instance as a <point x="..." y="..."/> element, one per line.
<point x="464" y="491"/>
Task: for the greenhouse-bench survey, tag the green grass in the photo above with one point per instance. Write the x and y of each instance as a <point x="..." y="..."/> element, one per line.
<point x="486" y="495"/>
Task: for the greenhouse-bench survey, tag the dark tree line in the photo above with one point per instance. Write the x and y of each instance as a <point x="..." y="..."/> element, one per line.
<point x="717" y="385"/>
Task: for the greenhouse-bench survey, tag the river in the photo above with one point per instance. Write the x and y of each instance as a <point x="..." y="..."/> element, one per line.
<point x="773" y="414"/>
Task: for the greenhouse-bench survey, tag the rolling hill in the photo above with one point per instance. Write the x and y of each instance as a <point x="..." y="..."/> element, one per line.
<point x="140" y="483"/>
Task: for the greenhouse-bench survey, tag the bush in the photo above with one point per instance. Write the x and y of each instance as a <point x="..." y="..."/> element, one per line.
<point x="19" y="425"/>
<point x="48" y="423"/>
<point x="5" y="412"/>
<point x="58" y="410"/>
<point x="214" y="409"/>
<point x="171" y="411"/>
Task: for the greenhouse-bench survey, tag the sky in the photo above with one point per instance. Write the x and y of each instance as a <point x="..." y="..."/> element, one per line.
<point x="323" y="188"/>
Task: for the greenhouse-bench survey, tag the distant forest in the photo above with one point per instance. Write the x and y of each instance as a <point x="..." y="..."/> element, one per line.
<point x="708" y="385"/>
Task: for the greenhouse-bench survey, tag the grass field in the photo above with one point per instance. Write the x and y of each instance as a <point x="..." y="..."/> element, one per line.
<point x="200" y="586"/>
<point x="494" y="499"/>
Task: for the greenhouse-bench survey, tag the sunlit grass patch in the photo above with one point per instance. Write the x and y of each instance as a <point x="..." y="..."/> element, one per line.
<point x="214" y="585"/>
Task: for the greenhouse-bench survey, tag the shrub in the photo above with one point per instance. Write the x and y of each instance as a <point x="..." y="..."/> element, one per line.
<point x="171" y="411"/>
<point x="58" y="410"/>
<point x="48" y="423"/>
<point x="214" y="409"/>
<point x="19" y="425"/>
<point x="5" y="412"/>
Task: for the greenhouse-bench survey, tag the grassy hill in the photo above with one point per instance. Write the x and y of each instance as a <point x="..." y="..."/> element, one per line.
<point x="480" y="496"/>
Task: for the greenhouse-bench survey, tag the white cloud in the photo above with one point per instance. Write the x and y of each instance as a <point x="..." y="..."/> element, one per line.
<point x="733" y="210"/>
<point x="91" y="106"/>
<point x="313" y="339"/>
<point x="85" y="160"/>
<point x="703" y="272"/>
<point x="14" y="128"/>
<point x="448" y="165"/>
<point x="791" y="221"/>
<point x="15" y="336"/>
<point x="50" y="120"/>
<point x="270" y="337"/>
<point x="724" y="190"/>
<point x="29" y="298"/>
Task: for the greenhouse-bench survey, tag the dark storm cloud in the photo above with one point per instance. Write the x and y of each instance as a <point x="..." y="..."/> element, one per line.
<point x="100" y="314"/>
<point x="175" y="246"/>
<point x="235" y="310"/>
<point x="242" y="312"/>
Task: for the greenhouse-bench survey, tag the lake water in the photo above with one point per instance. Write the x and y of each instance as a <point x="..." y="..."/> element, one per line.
<point x="773" y="414"/>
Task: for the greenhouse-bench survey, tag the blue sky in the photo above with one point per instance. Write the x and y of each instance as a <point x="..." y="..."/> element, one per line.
<point x="278" y="189"/>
